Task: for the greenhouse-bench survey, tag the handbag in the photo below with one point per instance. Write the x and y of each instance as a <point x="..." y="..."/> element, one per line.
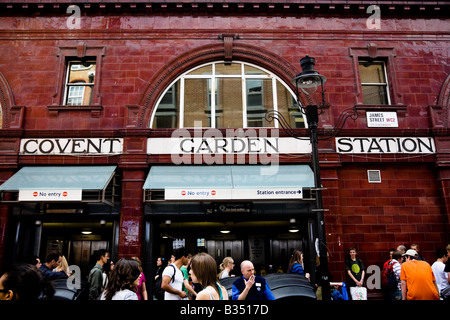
<point x="358" y="293"/>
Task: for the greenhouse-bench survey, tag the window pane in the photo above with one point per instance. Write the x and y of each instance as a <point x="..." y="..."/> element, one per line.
<point x="372" y="72"/>
<point x="229" y="104"/>
<point x="288" y="107"/>
<point x="259" y="99"/>
<point x="374" y="94"/>
<point x="82" y="72"/>
<point x="197" y="102"/>
<point x="228" y="69"/>
<point x="75" y="97"/>
<point x="166" y="115"/>
<point x="249" y="70"/>
<point x="80" y="83"/>
<point x="206" y="70"/>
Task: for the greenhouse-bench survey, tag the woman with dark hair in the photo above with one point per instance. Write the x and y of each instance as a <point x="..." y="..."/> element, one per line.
<point x="25" y="282"/>
<point x="124" y="277"/>
<point x="204" y="271"/>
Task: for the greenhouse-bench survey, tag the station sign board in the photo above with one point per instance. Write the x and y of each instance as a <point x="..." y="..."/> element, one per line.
<point x="233" y="194"/>
<point x="50" y="195"/>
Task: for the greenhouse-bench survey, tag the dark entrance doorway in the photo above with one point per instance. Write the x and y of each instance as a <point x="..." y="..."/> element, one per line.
<point x="34" y="237"/>
<point x="269" y="244"/>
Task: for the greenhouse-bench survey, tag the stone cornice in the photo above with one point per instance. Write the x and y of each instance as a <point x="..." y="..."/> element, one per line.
<point x="286" y="7"/>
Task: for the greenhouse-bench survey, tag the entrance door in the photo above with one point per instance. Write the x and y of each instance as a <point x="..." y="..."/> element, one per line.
<point x="80" y="252"/>
<point x="281" y="251"/>
<point x="220" y="249"/>
<point x="77" y="241"/>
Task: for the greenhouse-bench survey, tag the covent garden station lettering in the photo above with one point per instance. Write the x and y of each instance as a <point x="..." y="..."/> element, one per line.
<point x="225" y="145"/>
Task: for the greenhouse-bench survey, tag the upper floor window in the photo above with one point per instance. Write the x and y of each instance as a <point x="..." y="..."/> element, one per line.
<point x="80" y="81"/>
<point x="220" y="95"/>
<point x="374" y="82"/>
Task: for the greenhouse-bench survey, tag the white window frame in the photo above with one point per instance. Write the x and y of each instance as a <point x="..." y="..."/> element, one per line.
<point x="68" y="85"/>
<point x="213" y="83"/>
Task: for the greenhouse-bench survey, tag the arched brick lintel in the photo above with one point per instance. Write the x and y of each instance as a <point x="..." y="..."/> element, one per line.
<point x="209" y="53"/>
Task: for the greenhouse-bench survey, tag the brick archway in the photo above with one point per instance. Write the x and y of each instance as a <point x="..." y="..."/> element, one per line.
<point x="6" y="102"/>
<point x="209" y="53"/>
<point x="444" y="101"/>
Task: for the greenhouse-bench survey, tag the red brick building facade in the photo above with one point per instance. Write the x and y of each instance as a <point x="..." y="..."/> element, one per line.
<point x="140" y="49"/>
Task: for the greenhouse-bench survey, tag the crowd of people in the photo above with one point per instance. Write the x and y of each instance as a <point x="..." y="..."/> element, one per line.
<point x="405" y="276"/>
<point x="409" y="277"/>
<point x="206" y="284"/>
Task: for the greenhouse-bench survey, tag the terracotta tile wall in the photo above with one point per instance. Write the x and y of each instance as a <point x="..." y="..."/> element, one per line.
<point x="404" y="208"/>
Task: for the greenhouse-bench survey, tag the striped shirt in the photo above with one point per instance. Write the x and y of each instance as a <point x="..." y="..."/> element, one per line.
<point x="397" y="267"/>
<point x="297" y="268"/>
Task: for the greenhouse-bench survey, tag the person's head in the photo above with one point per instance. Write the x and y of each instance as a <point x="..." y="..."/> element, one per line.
<point x="397" y="255"/>
<point x="181" y="254"/>
<point x="401" y="248"/>
<point x="64" y="265"/>
<point x="53" y="260"/>
<point x="203" y="269"/>
<point x="24" y="282"/>
<point x="297" y="255"/>
<point x="441" y="254"/>
<point x="415" y="247"/>
<point x="139" y="261"/>
<point x="352" y="252"/>
<point x="410" y="255"/>
<point x="247" y="269"/>
<point x="159" y="262"/>
<point x="391" y="251"/>
<point x="35" y="261"/>
<point x="108" y="266"/>
<point x="227" y="263"/>
<point x="125" y="275"/>
<point x="101" y="256"/>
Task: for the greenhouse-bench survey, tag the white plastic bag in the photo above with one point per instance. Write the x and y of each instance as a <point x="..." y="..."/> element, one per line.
<point x="358" y="293"/>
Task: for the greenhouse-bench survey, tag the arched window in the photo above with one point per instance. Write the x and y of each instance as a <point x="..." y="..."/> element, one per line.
<point x="222" y="95"/>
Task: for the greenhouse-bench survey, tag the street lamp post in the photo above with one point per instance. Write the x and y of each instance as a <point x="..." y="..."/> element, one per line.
<point x="312" y="104"/>
<point x="307" y="83"/>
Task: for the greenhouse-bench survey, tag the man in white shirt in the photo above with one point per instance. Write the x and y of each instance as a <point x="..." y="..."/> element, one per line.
<point x="438" y="269"/>
<point x="172" y="281"/>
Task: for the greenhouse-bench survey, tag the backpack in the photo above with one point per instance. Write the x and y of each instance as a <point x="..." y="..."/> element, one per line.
<point x="388" y="277"/>
<point x="159" y="292"/>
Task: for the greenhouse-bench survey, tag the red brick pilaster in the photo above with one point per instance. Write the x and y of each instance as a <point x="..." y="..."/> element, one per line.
<point x="333" y="225"/>
<point x="4" y="219"/>
<point x="444" y="189"/>
<point x="132" y="212"/>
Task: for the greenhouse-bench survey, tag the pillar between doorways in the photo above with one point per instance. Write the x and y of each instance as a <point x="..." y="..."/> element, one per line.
<point x="131" y="213"/>
<point x="4" y="222"/>
<point x="443" y="178"/>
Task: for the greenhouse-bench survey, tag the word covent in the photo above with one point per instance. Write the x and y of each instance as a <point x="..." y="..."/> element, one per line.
<point x="71" y="146"/>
